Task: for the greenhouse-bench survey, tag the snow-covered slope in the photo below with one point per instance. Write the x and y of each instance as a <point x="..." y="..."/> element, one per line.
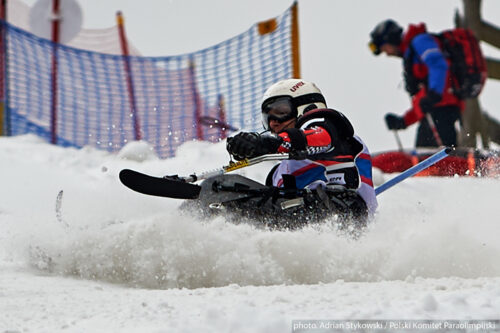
<point x="115" y="260"/>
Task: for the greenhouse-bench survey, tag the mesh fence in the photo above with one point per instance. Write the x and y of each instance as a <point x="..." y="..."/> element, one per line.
<point x="105" y="100"/>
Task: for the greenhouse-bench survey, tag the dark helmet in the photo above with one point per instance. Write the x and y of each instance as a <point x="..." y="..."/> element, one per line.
<point x="386" y="32"/>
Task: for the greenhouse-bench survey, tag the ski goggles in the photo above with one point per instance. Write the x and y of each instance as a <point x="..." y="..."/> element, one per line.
<point x="279" y="109"/>
<point x="375" y="48"/>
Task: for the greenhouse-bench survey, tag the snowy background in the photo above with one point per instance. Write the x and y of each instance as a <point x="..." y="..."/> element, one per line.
<point x="112" y="260"/>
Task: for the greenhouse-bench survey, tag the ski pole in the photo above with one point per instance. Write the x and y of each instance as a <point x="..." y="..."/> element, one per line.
<point x="398" y="140"/>
<point x="235" y="166"/>
<point x="414" y="169"/>
<point x="434" y="130"/>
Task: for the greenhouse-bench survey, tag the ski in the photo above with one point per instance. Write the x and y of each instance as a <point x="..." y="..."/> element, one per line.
<point x="180" y="187"/>
<point x="158" y="186"/>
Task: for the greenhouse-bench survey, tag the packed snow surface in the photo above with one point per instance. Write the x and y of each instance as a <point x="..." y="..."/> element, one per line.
<point x="103" y="258"/>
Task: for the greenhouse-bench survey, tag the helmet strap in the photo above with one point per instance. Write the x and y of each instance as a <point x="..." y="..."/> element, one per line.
<point x="308" y="99"/>
<point x="309" y="108"/>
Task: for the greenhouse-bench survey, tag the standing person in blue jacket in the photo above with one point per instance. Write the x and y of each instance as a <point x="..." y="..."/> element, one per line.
<point x="427" y="79"/>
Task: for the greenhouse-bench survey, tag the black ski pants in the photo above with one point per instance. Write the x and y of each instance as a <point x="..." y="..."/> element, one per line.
<point x="444" y="118"/>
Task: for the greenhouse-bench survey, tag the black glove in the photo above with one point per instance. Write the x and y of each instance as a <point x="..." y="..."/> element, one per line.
<point x="394" y="122"/>
<point x="249" y="144"/>
<point x="429" y="100"/>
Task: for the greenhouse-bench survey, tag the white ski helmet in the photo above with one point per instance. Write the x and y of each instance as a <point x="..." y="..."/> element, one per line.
<point x="290" y="99"/>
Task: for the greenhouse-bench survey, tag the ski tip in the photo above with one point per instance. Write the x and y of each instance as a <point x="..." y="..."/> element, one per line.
<point x="129" y="177"/>
<point x="127" y="171"/>
<point x="125" y="175"/>
<point x="157" y="186"/>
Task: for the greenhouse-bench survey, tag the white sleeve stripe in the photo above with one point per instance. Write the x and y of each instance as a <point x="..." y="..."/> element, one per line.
<point x="309" y="122"/>
<point x="427" y="52"/>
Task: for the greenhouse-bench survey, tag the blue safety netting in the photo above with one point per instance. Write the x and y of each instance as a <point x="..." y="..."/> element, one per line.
<point x="202" y="95"/>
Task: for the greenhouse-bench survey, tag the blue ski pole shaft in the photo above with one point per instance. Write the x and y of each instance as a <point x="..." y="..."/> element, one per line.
<point x="413" y="170"/>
